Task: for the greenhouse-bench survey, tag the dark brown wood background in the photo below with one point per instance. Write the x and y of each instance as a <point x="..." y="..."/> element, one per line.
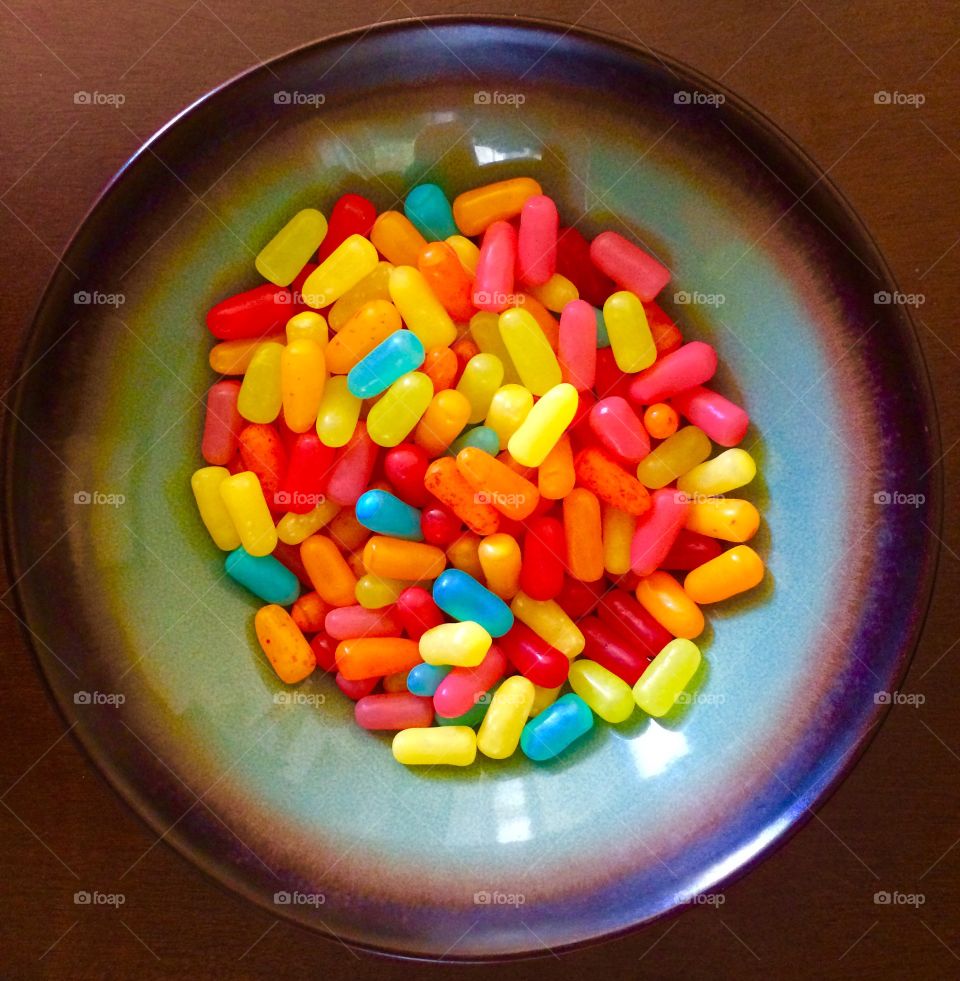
<point x="894" y="824"/>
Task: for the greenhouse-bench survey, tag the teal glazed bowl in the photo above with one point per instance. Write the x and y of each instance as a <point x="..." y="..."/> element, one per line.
<point x="150" y="652"/>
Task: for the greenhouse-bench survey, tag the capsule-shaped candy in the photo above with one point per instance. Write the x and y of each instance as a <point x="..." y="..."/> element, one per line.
<point x="308" y="325"/>
<point x="555" y="293"/>
<point x="374" y="657"/>
<point x="620" y="611"/>
<point x="537" y="240"/>
<point x="734" y="571"/>
<point x="291" y="248"/>
<point x="493" y="283"/>
<point x="499" y="733"/>
<point x="393" y="558"/>
<point x="548" y="620"/>
<point x="376" y="592"/>
<point x="692" y="364"/>
<point x="286" y="648"/>
<point x="373" y="287"/>
<point x="351" y="214"/>
<point x="449" y="282"/>
<point x="604" y="646"/>
<point x="427" y="208"/>
<point x="674" y="457"/>
<point x="350" y="474"/>
<point x="485" y="331"/>
<point x="691" y="550"/>
<point x="475" y="210"/>
<point x="510" y="405"/>
<point x="351" y="261"/>
<point x="630" y="337"/>
<point x="477" y="438"/>
<point x="332" y="578"/>
<point x="544" y="425"/>
<point x="425" y="679"/>
<point x="222" y="423"/>
<point x="444" y="480"/>
<point x="544" y="556"/>
<point x="463" y="598"/>
<point x="726" y="472"/>
<point x="724" y="422"/>
<point x="462" y="645"/>
<point x="436" y="746"/>
<point x="264" y="576"/>
<point x="417" y="611"/>
<point x="582" y="527"/>
<point x="727" y="518"/>
<point x="499" y="557"/>
<point x="370" y="326"/>
<point x="205" y="484"/>
<point x="393" y="711"/>
<point x="463" y="553"/>
<point x="302" y="376"/>
<point x="309" y="612"/>
<point x="421" y="311"/>
<point x="347" y="622"/>
<point x="337" y="413"/>
<point x="233" y="357"/>
<point x="243" y="499"/>
<point x="619" y="430"/>
<point x="628" y="265"/>
<point x="607" y="695"/>
<point x="260" y="393"/>
<point x="556" y="728"/>
<point x="610" y="482"/>
<point x="617" y="531"/>
<point x="382" y="512"/>
<point x="440" y="526"/>
<point x="669" y="673"/>
<point x="533" y="657"/>
<point x="543" y="698"/>
<point x="664" y="599"/>
<point x="442" y="367"/>
<point x="509" y="492"/>
<point x="262" y="310"/>
<point x="293" y="528"/>
<point x="394" y="356"/>
<point x="479" y="382"/>
<point x="305" y="480"/>
<point x="556" y="476"/>
<point x="467" y="252"/>
<point x="577" y="345"/>
<point x="397" y="239"/>
<point x="405" y="466"/>
<point x="529" y="350"/>
<point x="464" y="688"/>
<point x="657" y="530"/>
<point x="396" y="414"/>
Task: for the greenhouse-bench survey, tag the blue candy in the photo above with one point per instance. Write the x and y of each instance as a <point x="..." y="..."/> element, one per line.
<point x="460" y="596"/>
<point x="556" y="727"/>
<point x="393" y="357"/>
<point x="430" y="213"/>
<point x="385" y="514"/>
<point x="482" y="437"/>
<point x="264" y="576"/>
<point x="424" y="679"/>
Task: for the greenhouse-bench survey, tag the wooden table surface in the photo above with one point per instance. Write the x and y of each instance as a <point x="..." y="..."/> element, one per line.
<point x="894" y="825"/>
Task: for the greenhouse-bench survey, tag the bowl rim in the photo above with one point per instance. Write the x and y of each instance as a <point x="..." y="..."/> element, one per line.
<point x="921" y="599"/>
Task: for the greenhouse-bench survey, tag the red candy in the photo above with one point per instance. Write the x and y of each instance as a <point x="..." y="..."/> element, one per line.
<point x="301" y="490"/>
<point x="620" y="611"/>
<point x="351" y="215"/>
<point x="657" y="530"/>
<point x="690" y="365"/>
<point x="351" y="473"/>
<point x="393" y="711"/>
<point x="405" y="466"/>
<point x="606" y="647"/>
<point x="533" y="657"/>
<point x="691" y="550"/>
<point x="417" y="612"/>
<point x="222" y="424"/>
<point x="263" y="310"/>
<point x="619" y="430"/>
<point x="574" y="262"/>
<point x="543" y="558"/>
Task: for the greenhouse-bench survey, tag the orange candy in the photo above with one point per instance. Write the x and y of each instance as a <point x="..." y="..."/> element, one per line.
<point x="510" y="493"/>
<point x="309" y="612"/>
<point x="661" y="420"/>
<point x="373" y="323"/>
<point x="440" y="366"/>
<point x="443" y="421"/>
<point x="727" y="518"/>
<point x="546" y="321"/>
<point x="556" y="476"/>
<point x="233" y="357"/>
<point x="464" y="554"/>
<point x="444" y="480"/>
<point x="610" y="482"/>
<point x="286" y="648"/>
<point x="734" y="571"/>
<point x="582" y="529"/>
<point x="393" y="558"/>
<point x="448" y="280"/>
<point x="332" y="578"/>
<point x="396" y="239"/>
<point x="374" y="657"/>
<point x="346" y="531"/>
<point x="474" y="210"/>
<point x="665" y="600"/>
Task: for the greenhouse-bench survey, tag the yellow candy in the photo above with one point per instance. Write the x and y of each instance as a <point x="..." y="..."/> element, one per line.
<point x="555" y="293"/>
<point x="731" y="469"/>
<point x="500" y="560"/>
<point x="467" y="253"/>
<point x="337" y="413"/>
<point x="372" y="287"/>
<point x="303" y="374"/>
<point x="529" y="350"/>
<point x="213" y="512"/>
<point x="291" y="248"/>
<point x="543" y="698"/>
<point x="618" y="527"/>
<point x="548" y="620"/>
<point x="397" y="239"/>
<point x="464" y="645"/>
<point x="243" y="498"/>
<point x="376" y="592"/>
<point x="544" y="425"/>
<point x="464" y="554"/>
<point x="485" y="331"/>
<point x="451" y="745"/>
<point x="630" y="337"/>
<point x="607" y="695"/>
<point x="260" y="394"/>
<point x="499" y="733"/>
<point x="392" y="419"/>
<point x="480" y="379"/>
<point x="443" y="421"/>
<point x="307" y="324"/>
<point x="673" y="457"/>
<point x="292" y="529"/>
<point x="509" y="406"/>
<point x="727" y="518"/>
<point x="352" y="260"/>
<point x="233" y="357"/>
<point x="668" y="674"/>
<point x="421" y="311"/>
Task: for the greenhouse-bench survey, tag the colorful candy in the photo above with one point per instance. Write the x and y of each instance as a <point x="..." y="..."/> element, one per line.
<point x="658" y="688"/>
<point x="460" y="596"/>
<point x="499" y="733"/>
<point x="450" y="745"/>
<point x="556" y="728"/>
<point x="290" y="249"/>
<point x="544" y="425"/>
<point x="734" y="571"/>
<point x="263" y="576"/>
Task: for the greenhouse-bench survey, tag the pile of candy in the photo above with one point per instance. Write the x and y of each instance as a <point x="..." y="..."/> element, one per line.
<point x="485" y="503"/>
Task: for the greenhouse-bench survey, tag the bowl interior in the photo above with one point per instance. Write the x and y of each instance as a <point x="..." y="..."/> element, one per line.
<point x="151" y="649"/>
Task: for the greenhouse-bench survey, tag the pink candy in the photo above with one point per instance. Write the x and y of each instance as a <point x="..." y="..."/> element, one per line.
<point x="628" y="265"/>
<point x="724" y="422"/>
<point x="393" y="711"/>
<point x="493" y="284"/>
<point x="618" y="429"/>
<point x="657" y="530"/>
<point x="221" y="428"/>
<point x="690" y="365"/>
<point x="537" y="242"/>
<point x="350" y="474"/>
<point x="459" y="691"/>
<point x="577" y="345"/>
<point x="347" y="622"/>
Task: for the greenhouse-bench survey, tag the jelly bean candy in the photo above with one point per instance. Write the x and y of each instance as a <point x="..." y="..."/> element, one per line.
<point x="396" y="414"/>
<point x="243" y="499"/>
<point x="607" y="695"/>
<point x="290" y="249"/>
<point x="355" y="690"/>
<point x="485" y="331"/>
<point x="256" y="312"/>
<point x="617" y="532"/>
<point x="397" y="239"/>
<point x="394" y="558"/>
<point x="620" y="611"/>
<point x="499" y="733"/>
<point x="260" y="393"/>
<point x="439" y="526"/>
<point x="727" y="518"/>
<point x="422" y="312"/>
<point x="462" y="645"/>
<point x="574" y="262"/>
<point x="556" y="476"/>
<point x="556" y="728"/>
<point x="582" y="528"/>
<point x="496" y="484"/>
<point x="353" y="260"/>
<point x="529" y="350"/>
<point x="619" y="430"/>
<point x="669" y="673"/>
<point x="533" y="657"/>
<point x="467" y="252"/>
<point x="734" y="571"/>
<point x="630" y="337"/>
<point x="449" y="282"/>
<point x="222" y="423"/>
<point x="308" y="325"/>
<point x="674" y="457"/>
<point x="373" y="288"/>
<point x="337" y="413"/>
<point x="691" y="550"/>
<point x="350" y="473"/>
<point x="460" y="596"/>
<point x="285" y="646"/>
<point x="555" y="293"/>
<point x="263" y="576"/>
<point x="726" y="472"/>
<point x="351" y="214"/>
<point x="610" y="482"/>
<point x="537" y="240"/>
<point x="544" y="554"/>
<point x="450" y="745"/>
<point x="444" y="480"/>
<point x="405" y="467"/>
<point x="376" y="592"/>
<point x="500" y="560"/>
<point x="664" y="599"/>
<point x="657" y="530"/>
<point x="332" y="578"/>
<point x="393" y="357"/>
<point x="233" y="357"/>
<point x="429" y="211"/>
<point x="475" y="210"/>
<point x="373" y="657"/>
<point x="306" y="477"/>
<point x="479" y="381"/>
<point x="393" y="711"/>
<point x="385" y="514"/>
<point x="510" y="405"/>
<point x="628" y="265"/>
<point x="425" y="679"/>
<point x="464" y="688"/>
<point x="205" y="484"/>
<point x="577" y="345"/>
<point x="548" y="620"/>
<point x="690" y="365"/>
<point x="493" y="285"/>
<point x="724" y="422"/>
<point x="370" y="326"/>
<point x="477" y="438"/>
<point x="544" y="425"/>
<point x="603" y="645"/>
